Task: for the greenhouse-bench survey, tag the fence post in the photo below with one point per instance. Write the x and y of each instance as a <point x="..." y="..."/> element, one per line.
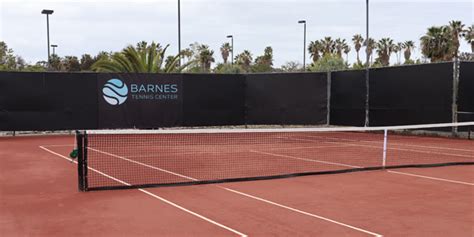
<point x="328" y="107"/>
<point x="454" y="106"/>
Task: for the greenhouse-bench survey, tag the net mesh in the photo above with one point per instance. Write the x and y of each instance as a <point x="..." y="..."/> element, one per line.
<point x="145" y="158"/>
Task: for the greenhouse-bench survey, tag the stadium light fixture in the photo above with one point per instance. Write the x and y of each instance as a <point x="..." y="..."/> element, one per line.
<point x="304" y="43"/>
<point x="47" y="13"/>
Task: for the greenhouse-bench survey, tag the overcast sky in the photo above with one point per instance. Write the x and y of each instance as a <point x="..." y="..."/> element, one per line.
<point x="86" y="26"/>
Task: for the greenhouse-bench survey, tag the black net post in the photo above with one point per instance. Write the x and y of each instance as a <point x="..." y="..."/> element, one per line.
<point x="81" y="161"/>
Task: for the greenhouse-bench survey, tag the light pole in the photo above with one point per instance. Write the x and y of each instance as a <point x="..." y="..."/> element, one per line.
<point x="304" y="44"/>
<point x="367" y="59"/>
<point x="179" y="31"/>
<point x="231" y="48"/>
<point x="47" y="13"/>
<point x="54" y="47"/>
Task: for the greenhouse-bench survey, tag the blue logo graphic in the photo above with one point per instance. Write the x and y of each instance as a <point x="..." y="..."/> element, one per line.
<point x="115" y="92"/>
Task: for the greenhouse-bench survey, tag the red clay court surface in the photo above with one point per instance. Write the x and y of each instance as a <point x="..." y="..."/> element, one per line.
<point x="39" y="197"/>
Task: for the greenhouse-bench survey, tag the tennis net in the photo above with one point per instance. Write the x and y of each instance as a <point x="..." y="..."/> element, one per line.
<point x="119" y="159"/>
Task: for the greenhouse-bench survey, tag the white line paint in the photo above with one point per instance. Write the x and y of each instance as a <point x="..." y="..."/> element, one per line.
<point x="301" y="212"/>
<point x="231" y="190"/>
<point x="143" y="164"/>
<point x="429" y="177"/>
<point x="304" y="159"/>
<point x="405" y="149"/>
<point x="59" y="145"/>
<point x="392" y="143"/>
<point x="155" y="196"/>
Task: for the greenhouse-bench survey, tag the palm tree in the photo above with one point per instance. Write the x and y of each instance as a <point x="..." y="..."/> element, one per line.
<point x="347" y="49"/>
<point x="408" y="46"/>
<point x="206" y="57"/>
<point x="187" y="54"/>
<point x="244" y="59"/>
<point x="314" y="48"/>
<point x="456" y="28"/>
<point x="144" y="59"/>
<point x="397" y="49"/>
<point x="339" y="46"/>
<point x="469" y="36"/>
<point x="384" y="50"/>
<point x="436" y="44"/>
<point x="328" y="45"/>
<point x="357" y="40"/>
<point x="225" y="50"/>
<point x="369" y="48"/>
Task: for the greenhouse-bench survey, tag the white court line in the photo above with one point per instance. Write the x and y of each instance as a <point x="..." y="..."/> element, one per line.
<point x="154" y="196"/>
<point x="143" y="164"/>
<point x="232" y="152"/>
<point x="300" y="211"/>
<point x="248" y="195"/>
<point x="304" y="159"/>
<point x="402" y="149"/>
<point x="429" y="177"/>
<point x="58" y="145"/>
<point x="392" y="143"/>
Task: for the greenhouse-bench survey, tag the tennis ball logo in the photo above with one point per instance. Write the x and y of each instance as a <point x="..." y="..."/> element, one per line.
<point x="115" y="92"/>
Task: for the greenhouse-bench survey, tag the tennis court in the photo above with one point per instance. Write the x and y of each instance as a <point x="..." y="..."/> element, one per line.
<point x="423" y="186"/>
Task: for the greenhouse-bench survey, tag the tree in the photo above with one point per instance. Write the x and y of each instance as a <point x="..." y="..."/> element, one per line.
<point x="314" y="48"/>
<point x="225" y="51"/>
<point x="8" y="60"/>
<point x="436" y="44"/>
<point x="369" y="47"/>
<point x="71" y="64"/>
<point x="291" y="66"/>
<point x="142" y="59"/>
<point x="456" y="28"/>
<point x="468" y="35"/>
<point x="346" y="49"/>
<point x="397" y="49"/>
<point x="328" y="63"/>
<point x="339" y="46"/>
<point x="55" y="63"/>
<point x="86" y="62"/>
<point x="328" y="46"/>
<point x="186" y="54"/>
<point x="384" y="50"/>
<point x="264" y="63"/>
<point x="357" y="40"/>
<point x="228" y="69"/>
<point x="408" y="46"/>
<point x="206" y="58"/>
<point x="244" y="59"/>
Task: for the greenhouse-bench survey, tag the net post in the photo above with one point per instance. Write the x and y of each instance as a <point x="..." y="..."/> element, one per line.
<point x="80" y="160"/>
<point x="86" y="167"/>
<point x="384" y="158"/>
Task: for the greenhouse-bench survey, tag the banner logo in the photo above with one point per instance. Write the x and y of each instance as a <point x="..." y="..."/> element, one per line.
<point x="115" y="92"/>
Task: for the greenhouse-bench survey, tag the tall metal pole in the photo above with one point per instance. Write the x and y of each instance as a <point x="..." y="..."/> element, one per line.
<point x="304" y="43"/>
<point x="47" y="29"/>
<point x="367" y="66"/>
<point x="179" y="31"/>
<point x="232" y="50"/>
<point x="47" y="13"/>
<point x="304" y="48"/>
